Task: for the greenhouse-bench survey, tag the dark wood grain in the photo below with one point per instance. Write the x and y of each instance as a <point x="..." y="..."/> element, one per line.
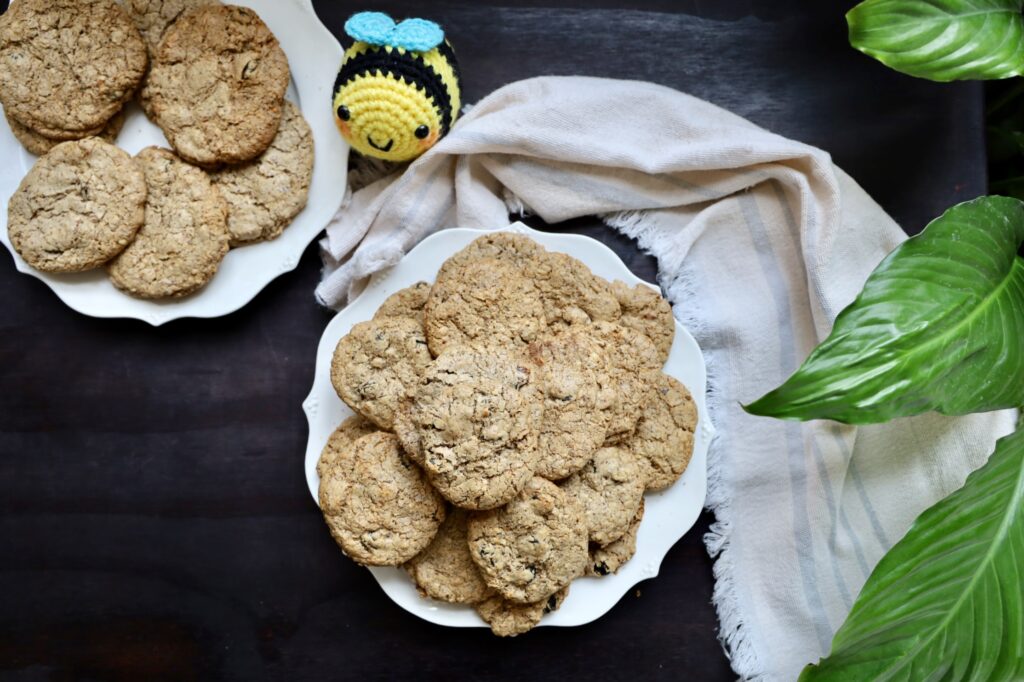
<point x="154" y="520"/>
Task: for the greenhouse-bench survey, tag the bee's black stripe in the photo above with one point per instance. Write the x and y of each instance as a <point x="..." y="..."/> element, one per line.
<point x="405" y="66"/>
<point x="445" y="48"/>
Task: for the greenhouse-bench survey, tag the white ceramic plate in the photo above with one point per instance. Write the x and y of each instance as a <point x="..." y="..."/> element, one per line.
<point x="668" y="514"/>
<point x="314" y="56"/>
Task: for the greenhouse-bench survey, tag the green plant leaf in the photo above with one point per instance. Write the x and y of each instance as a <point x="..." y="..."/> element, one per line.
<point x="942" y="40"/>
<point x="945" y="603"/>
<point x="939" y="326"/>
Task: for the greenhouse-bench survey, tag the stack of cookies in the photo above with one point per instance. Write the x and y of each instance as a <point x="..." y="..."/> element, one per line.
<point x="67" y="67"/>
<point x="509" y="419"/>
<point x="160" y="222"/>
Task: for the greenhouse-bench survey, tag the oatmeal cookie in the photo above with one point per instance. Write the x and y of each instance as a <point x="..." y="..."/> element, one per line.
<point x="610" y="487"/>
<point x="483" y="302"/>
<point x="67" y="66"/>
<point x="508" y="619"/>
<point x="184" y="237"/>
<point x="351" y="430"/>
<point x="664" y="435"/>
<point x="644" y="310"/>
<point x="477" y="413"/>
<point x="513" y="248"/>
<point x="611" y="557"/>
<point x="154" y="17"/>
<point x="568" y="290"/>
<point x="264" y="194"/>
<point x="378" y="505"/>
<point x="78" y="207"/>
<point x="217" y="84"/>
<point x="444" y="570"/>
<point x="407" y="302"/>
<point x="577" y="398"/>
<point x="53" y="134"/>
<point x="534" y="546"/>
<point x="377" y="365"/>
<point x="634" y="363"/>
<point x="40" y="144"/>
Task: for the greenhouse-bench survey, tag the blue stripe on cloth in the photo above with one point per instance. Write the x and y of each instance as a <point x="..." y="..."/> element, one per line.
<point x="836" y="429"/>
<point x="857" y="551"/>
<point x="772" y="272"/>
<point x="876" y="525"/>
<point x="833" y="506"/>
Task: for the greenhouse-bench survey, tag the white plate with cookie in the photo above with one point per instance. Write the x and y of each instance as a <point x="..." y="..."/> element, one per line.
<point x="313" y="55"/>
<point x="667" y="514"/>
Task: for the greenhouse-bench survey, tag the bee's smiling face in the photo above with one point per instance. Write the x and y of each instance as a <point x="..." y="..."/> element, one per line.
<point x="384" y="117"/>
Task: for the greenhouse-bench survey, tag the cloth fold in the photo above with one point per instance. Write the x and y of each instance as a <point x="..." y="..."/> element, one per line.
<point x="760" y="242"/>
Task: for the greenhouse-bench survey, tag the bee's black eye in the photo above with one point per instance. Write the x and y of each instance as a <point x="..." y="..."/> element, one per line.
<point x="343" y="113"/>
<point x="422" y="132"/>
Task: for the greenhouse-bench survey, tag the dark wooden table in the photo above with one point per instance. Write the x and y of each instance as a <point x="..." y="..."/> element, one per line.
<point x="154" y="519"/>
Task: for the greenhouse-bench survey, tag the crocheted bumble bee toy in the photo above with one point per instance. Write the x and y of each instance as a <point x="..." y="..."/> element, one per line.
<point x="398" y="89"/>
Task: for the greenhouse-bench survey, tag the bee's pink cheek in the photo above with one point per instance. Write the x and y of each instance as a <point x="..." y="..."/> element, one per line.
<point x="429" y="140"/>
<point x="343" y="127"/>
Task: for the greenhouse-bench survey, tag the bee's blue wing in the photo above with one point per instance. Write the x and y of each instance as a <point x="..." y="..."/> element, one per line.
<point x="377" y="28"/>
<point x="417" y="35"/>
<point x="374" y="28"/>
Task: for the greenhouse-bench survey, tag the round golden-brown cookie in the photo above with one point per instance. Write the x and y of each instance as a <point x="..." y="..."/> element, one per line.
<point x="67" y="66"/>
<point x="577" y="399"/>
<point x="664" y="435"/>
<point x="154" y="17"/>
<point x="78" y="207"/>
<point x="634" y="363"/>
<point x="264" y="194"/>
<point x="217" y="84"/>
<point x="378" y="505"/>
<point x="645" y="311"/>
<point x="609" y="487"/>
<point x="377" y="365"/>
<point x="444" y="570"/>
<point x="407" y="302"/>
<point x="627" y="348"/>
<point x="534" y="546"/>
<point x="611" y="557"/>
<point x="40" y="144"/>
<point x="513" y="248"/>
<point x="508" y="619"/>
<point x="184" y="237"/>
<point x="351" y="430"/>
<point x="568" y="290"/>
<point x="480" y="303"/>
<point x="478" y="413"/>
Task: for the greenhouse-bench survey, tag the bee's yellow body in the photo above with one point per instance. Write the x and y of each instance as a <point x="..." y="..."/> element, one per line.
<point x="394" y="103"/>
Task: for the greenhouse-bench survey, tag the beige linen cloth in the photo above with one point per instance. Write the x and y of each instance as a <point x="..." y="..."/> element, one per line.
<point x="760" y="242"/>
